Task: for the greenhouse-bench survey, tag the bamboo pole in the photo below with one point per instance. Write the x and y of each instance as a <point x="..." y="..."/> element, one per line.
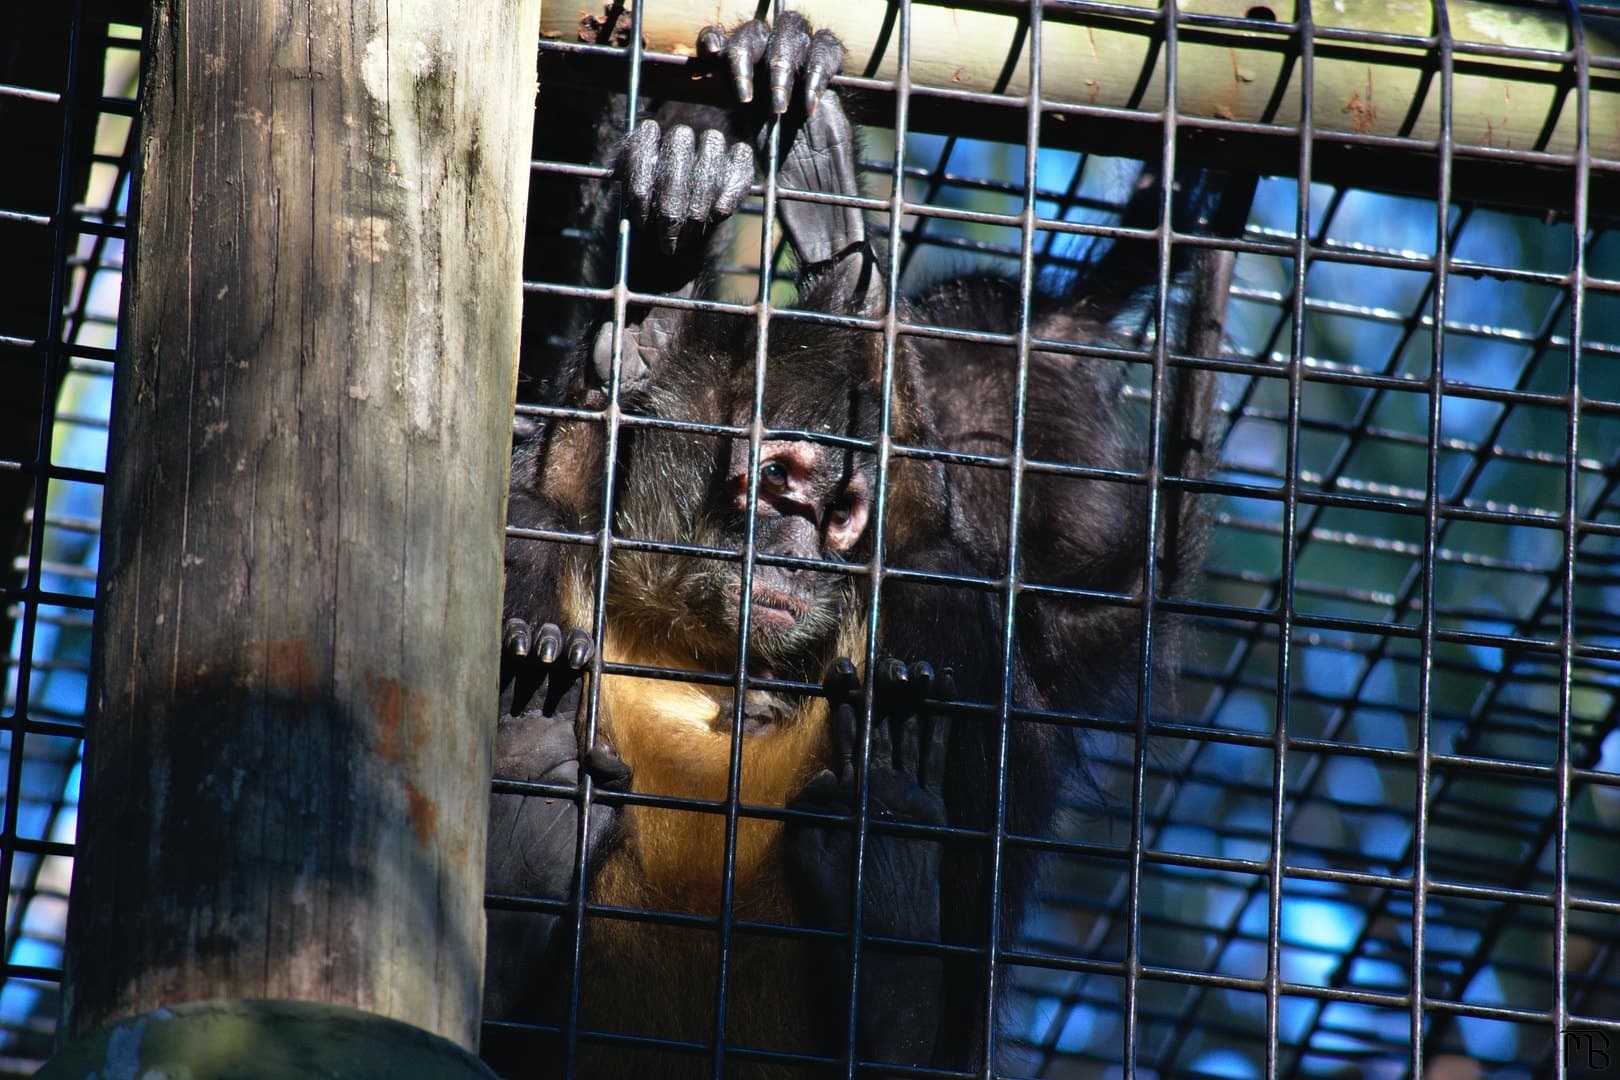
<point x="295" y="678"/>
<point x="1100" y="57"/>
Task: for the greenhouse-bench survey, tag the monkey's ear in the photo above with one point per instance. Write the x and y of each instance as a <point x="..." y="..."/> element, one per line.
<point x="829" y="239"/>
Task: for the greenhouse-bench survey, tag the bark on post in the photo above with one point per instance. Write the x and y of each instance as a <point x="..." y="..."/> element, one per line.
<point x="287" y="774"/>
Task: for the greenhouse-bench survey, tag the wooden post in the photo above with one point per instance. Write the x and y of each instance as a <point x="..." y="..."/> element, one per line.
<point x="289" y="755"/>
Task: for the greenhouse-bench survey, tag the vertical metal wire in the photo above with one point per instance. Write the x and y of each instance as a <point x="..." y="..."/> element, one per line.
<point x="880" y="503"/>
<point x="591" y="700"/>
<point x="1436" y="384"/>
<point x="1015" y="504"/>
<point x="64" y="222"/>
<point x="1290" y="538"/>
<point x="1150" y="574"/>
<point x="745" y="596"/>
<point x="1571" y="523"/>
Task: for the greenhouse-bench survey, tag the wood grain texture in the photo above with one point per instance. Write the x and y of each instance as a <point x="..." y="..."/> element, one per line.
<point x="1114" y="61"/>
<point x="287" y="779"/>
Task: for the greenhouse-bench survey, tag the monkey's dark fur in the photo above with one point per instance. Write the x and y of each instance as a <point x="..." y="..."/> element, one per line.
<point x="933" y="763"/>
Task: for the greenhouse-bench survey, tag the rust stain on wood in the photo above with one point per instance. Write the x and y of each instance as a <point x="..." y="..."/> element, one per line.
<point x="422" y="813"/>
<point x="1363" y="113"/>
<point x="401" y="725"/>
<point x="399" y="717"/>
<point x="287" y="667"/>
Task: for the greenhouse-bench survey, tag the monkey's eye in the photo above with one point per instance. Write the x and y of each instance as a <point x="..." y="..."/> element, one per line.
<point x="774" y="475"/>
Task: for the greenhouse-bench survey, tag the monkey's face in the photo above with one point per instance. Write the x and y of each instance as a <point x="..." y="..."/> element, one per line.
<point x="812" y="503"/>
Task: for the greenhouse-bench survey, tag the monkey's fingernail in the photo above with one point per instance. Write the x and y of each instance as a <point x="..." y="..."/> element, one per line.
<point x="745" y="89"/>
<point x="548" y="650"/>
<point x="923" y="673"/>
<point x="606" y="766"/>
<point x="578" y="653"/>
<point x="841" y="678"/>
<point x="779" y="98"/>
<point x="711" y="40"/>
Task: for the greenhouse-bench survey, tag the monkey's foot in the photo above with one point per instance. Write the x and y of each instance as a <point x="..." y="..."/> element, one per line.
<point x="905" y="783"/>
<point x="542" y="661"/>
<point x="910" y="738"/>
<point x="901" y="993"/>
<point x="789" y="52"/>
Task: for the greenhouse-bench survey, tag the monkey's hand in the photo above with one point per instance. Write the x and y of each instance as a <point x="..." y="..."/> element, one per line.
<point x="789" y="51"/>
<point x="901" y="993"/>
<point x="679" y="182"/>
<point x="818" y="144"/>
<point x="533" y="838"/>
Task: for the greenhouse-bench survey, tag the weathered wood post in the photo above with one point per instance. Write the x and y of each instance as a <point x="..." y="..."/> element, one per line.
<point x="287" y="776"/>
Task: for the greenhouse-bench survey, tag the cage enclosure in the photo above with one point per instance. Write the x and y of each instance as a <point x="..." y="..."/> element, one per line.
<point x="1349" y="806"/>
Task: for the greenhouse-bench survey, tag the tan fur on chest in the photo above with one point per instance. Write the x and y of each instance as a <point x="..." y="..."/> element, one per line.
<point x="667" y="733"/>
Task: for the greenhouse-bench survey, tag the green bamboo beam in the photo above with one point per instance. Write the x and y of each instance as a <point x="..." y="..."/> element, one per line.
<point x="1112" y="56"/>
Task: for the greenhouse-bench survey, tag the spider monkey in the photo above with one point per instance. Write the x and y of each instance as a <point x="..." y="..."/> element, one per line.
<point x="809" y="493"/>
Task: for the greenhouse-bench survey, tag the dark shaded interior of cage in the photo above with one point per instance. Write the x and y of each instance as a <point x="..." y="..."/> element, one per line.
<point x="1398" y="701"/>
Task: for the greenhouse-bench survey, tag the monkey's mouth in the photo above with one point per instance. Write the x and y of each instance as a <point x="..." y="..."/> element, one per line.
<point x="774" y="609"/>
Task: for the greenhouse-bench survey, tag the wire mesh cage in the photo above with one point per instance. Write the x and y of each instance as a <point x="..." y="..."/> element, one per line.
<point x="1372" y="830"/>
<point x="66" y="103"/>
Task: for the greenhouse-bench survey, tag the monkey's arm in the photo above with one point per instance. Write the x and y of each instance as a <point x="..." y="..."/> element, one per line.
<point x="533" y="838"/>
<point x="685" y="169"/>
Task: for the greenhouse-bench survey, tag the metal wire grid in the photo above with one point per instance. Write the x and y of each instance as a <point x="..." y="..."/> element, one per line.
<point x="48" y="592"/>
<point x="1498" y="653"/>
<point x="1409" y="635"/>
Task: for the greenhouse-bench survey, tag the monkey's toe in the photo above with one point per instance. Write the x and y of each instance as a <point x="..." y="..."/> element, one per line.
<point x="790" y="51"/>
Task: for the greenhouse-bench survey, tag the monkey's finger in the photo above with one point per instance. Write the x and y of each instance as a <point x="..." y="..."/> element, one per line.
<point x="607" y="768"/>
<point x="515" y="637"/>
<point x="892" y="687"/>
<point x="784" y="56"/>
<point x="931" y="767"/>
<point x="843" y="689"/>
<point x="711" y="41"/>
<point x="674" y="188"/>
<point x="639" y="167"/>
<point x="823" y="795"/>
<point x="842" y="680"/>
<point x="921" y="679"/>
<point x="846" y="721"/>
<point x="824" y="60"/>
<point x="738" y="176"/>
<point x="892" y="675"/>
<point x="908" y="746"/>
<point x="708" y="175"/>
<point x="932" y="773"/>
<point x="883" y="720"/>
<point x="579" y="648"/>
<point x="548" y="643"/>
<point x="743" y="50"/>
